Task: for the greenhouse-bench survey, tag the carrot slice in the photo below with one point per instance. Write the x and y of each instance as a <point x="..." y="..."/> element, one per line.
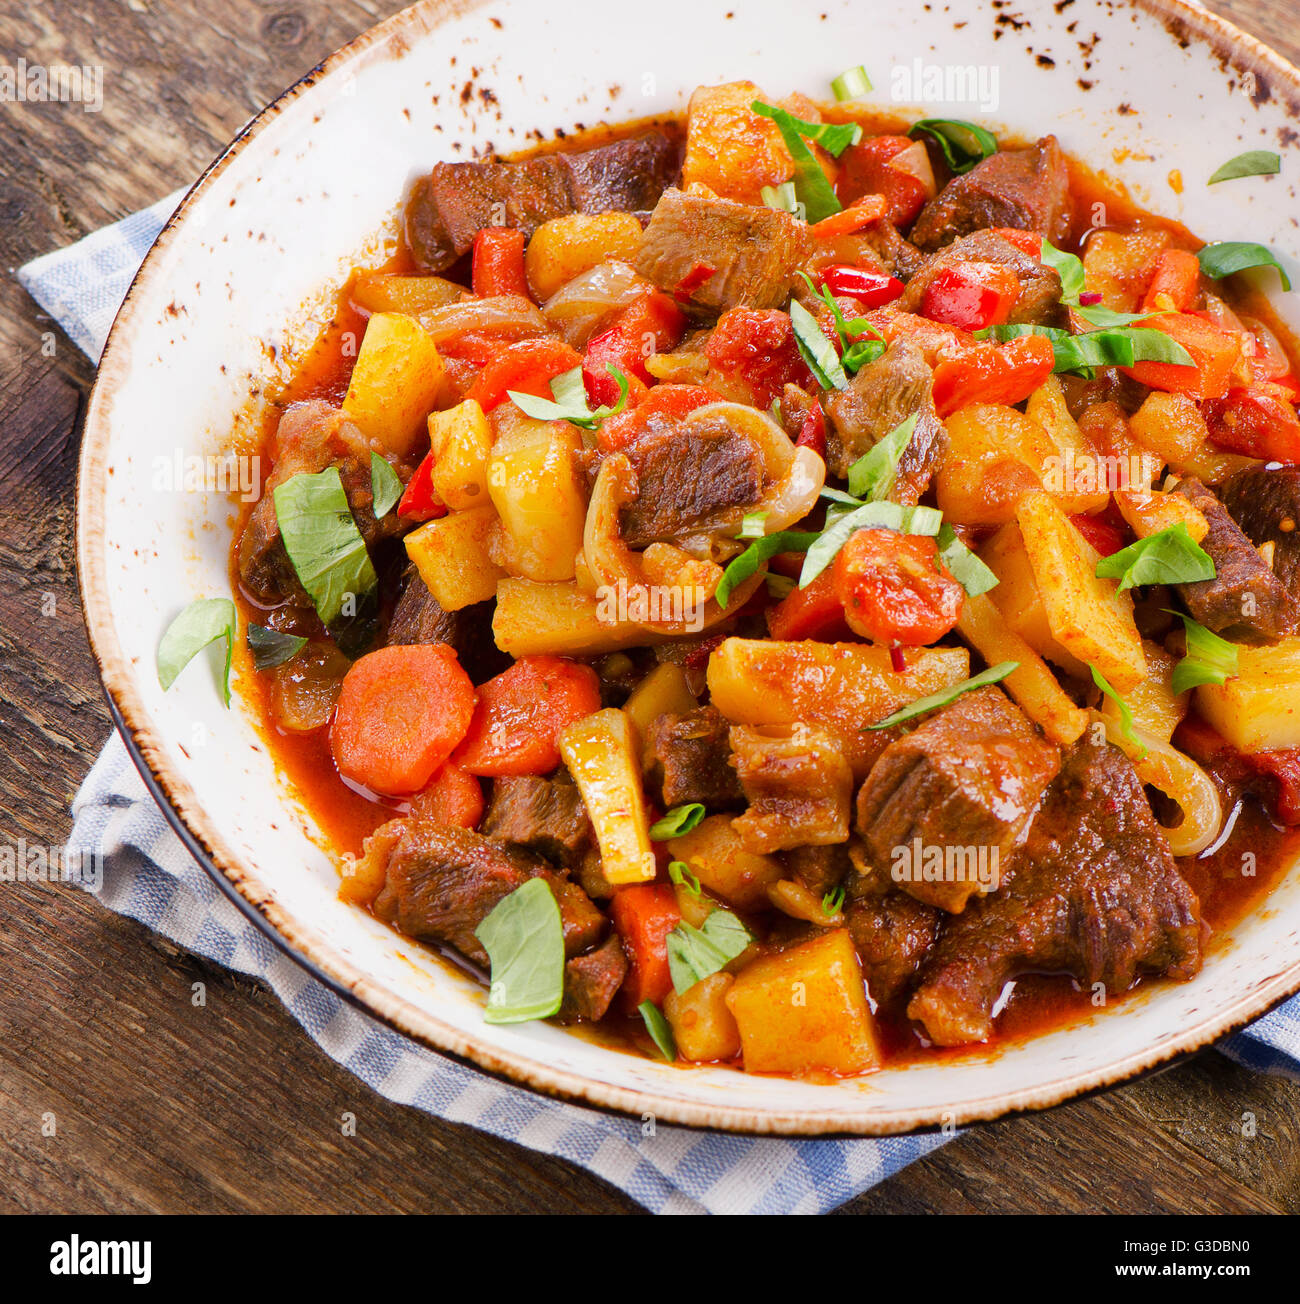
<point x="815" y="612"/>
<point x="401" y="712"/>
<point x="521" y="714"/>
<point x="644" y="914"/>
<point x="452" y="797"/>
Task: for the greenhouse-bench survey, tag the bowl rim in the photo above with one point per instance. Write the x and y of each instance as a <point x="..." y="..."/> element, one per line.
<point x="202" y="838"/>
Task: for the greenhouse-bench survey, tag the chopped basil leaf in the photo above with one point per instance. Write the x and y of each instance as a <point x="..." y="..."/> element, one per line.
<point x="1170" y="556"/>
<point x="783" y="197"/>
<point x="963" y="143"/>
<point x="570" y="400"/>
<point x="751" y="525"/>
<point x="852" y="84"/>
<point x="679" y="872"/>
<point x="327" y="551"/>
<point x="872" y="476"/>
<point x="1120" y="347"/>
<point x="761" y="550"/>
<point x="524" y="939"/>
<point x="1228" y="256"/>
<point x="810" y="183"/>
<point x="833" y="137"/>
<point x="1209" y="660"/>
<point x="815" y="349"/>
<point x="870" y="516"/>
<point x="204" y="621"/>
<point x="385" y="487"/>
<point x="679" y="820"/>
<point x="660" y="1030"/>
<point x="833" y="902"/>
<point x="965" y="567"/>
<point x="1013" y="330"/>
<point x="1103" y="318"/>
<point x="1068" y="268"/>
<point x="271" y="648"/>
<point x="1253" y="163"/>
<point x="993" y="675"/>
<point x="779" y="586"/>
<point x="1125" y="715"/>
<point x="855" y="353"/>
<point x="695" y="953"/>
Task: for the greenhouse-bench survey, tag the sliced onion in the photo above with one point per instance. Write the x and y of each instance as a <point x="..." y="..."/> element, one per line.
<point x="914" y="161"/>
<point x="506" y="312"/>
<point x="579" y="308"/>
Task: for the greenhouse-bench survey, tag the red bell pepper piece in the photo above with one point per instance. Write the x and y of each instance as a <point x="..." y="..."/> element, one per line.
<point x="1259" y="421"/>
<point x="862" y="212"/>
<point x="1028" y="242"/>
<point x="1177" y="279"/>
<point x="972" y="296"/>
<point x="692" y="281"/>
<point x="652" y="323"/>
<point x="864" y="170"/>
<point x="812" y="433"/>
<point x="419" y="501"/>
<point x="1104" y="535"/>
<point x="1004" y="373"/>
<point x="498" y="263"/>
<point x="528" y="366"/>
<point x="1216" y="354"/>
<point x="662" y="407"/>
<point x="870" y="289"/>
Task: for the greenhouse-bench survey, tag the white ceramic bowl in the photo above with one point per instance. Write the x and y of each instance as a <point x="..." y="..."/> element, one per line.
<point x="237" y="282"/>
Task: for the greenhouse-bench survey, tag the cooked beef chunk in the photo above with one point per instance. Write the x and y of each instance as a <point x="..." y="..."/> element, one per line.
<point x="419" y="618"/>
<point x="443" y="882"/>
<point x="892" y="934"/>
<point x="689" y="485"/>
<point x="1093" y="892"/>
<point x="798" y="786"/>
<point x="1040" y="286"/>
<point x="695" y="755"/>
<point x="754" y="252"/>
<point x="1026" y="189"/>
<point x="962" y="787"/>
<point x="310" y="437"/>
<point x="592" y="981"/>
<point x="899" y="257"/>
<point x="448" y="207"/>
<point x="881" y="396"/>
<point x="819" y="869"/>
<point x="1244" y="601"/>
<point x="546" y="816"/>
<point x="1266" y="504"/>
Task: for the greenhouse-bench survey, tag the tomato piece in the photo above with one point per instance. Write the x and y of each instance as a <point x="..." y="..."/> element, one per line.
<point x="1104" y="535"/>
<point x="972" y="295"/>
<point x="1259" y="421"/>
<point x="497" y="265"/>
<point x="756" y="347"/>
<point x="528" y="366"/>
<point x="870" y="289"/>
<point x="814" y="612"/>
<point x="652" y="323"/>
<point x="663" y="406"/>
<point x="865" y="170"/>
<point x="1004" y="373"/>
<point x="419" y="500"/>
<point x="895" y="589"/>
<point x="1215" y="353"/>
<point x="1175" y="283"/>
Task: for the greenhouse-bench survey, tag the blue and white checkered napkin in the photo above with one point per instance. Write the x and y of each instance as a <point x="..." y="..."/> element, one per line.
<point x="151" y="877"/>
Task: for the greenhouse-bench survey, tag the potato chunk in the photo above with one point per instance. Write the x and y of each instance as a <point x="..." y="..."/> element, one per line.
<point x="566" y="247"/>
<point x="1260" y="709"/>
<point x="703" y="1027"/>
<point x="805" y="1010"/>
<point x="996" y="455"/>
<point x="719" y="859"/>
<point x="840" y="686"/>
<point x="395" y="382"/>
<point x="558" y="620"/>
<point x="732" y="150"/>
<point x="452" y="557"/>
<point x="460" y="442"/>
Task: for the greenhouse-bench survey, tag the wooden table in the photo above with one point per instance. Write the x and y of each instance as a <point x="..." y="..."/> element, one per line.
<point x="161" y="1106"/>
